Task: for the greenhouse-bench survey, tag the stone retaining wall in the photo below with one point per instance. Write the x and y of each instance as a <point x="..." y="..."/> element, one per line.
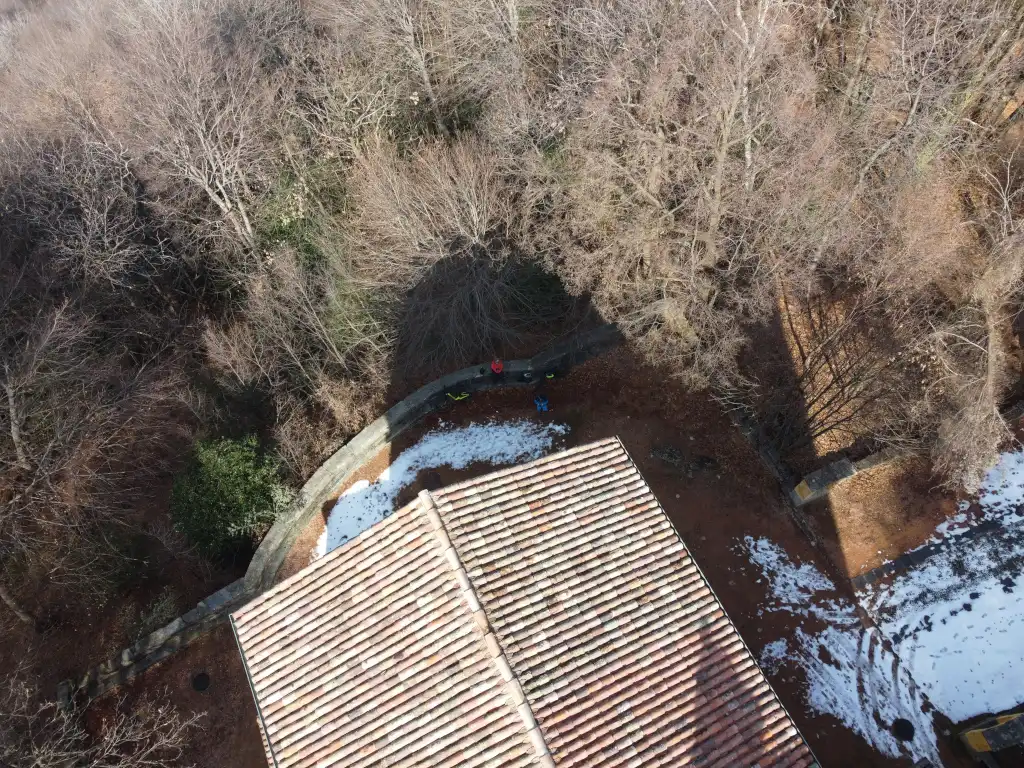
<point x="156" y="646"/>
<point x="338" y="468"/>
<point x="266" y="562"/>
<point x="815" y="485"/>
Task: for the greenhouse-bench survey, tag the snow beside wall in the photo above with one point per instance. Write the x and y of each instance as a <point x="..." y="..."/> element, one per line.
<point x="497" y="443"/>
<point x="850" y="674"/>
<point x="1002" y="491"/>
<point x="957" y="620"/>
<point x="1000" y="499"/>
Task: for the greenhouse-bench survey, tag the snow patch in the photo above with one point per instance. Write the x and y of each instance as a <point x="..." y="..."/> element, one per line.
<point x="791" y="585"/>
<point x="497" y="443"/>
<point x="850" y="673"/>
<point x="956" y="619"/>
<point x="773" y="656"/>
<point x="1002" y="489"/>
<point x="956" y="622"/>
<point x="964" y="649"/>
<point x="1000" y="499"/>
<point x="954" y="526"/>
<point x="863" y="684"/>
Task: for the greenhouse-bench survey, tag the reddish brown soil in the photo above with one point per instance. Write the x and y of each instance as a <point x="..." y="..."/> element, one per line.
<point x="878" y="515"/>
<point x="228" y="736"/>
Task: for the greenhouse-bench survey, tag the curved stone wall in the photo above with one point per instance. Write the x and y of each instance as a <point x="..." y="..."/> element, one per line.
<point x="360" y="449"/>
<point x="333" y="473"/>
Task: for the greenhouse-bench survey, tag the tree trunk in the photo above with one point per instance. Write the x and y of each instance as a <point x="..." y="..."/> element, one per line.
<point x="11" y="603"/>
<point x="12" y="408"/>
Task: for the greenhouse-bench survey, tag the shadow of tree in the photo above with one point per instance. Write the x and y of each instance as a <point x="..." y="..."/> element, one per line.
<point x="468" y="309"/>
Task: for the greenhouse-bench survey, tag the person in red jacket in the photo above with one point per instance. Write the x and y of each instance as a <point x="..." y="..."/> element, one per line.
<point x="497" y="369"/>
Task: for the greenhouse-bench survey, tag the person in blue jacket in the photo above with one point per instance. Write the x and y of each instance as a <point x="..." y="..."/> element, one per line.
<point x="541" y="401"/>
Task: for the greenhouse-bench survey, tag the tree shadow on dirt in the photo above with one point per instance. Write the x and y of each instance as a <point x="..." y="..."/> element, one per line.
<point x="472" y="308"/>
<point x="804" y="413"/>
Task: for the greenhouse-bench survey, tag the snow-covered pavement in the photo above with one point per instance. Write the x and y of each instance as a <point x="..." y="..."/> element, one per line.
<point x="496" y="442"/>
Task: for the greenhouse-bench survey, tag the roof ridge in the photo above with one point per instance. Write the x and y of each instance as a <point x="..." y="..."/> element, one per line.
<point x="512" y="686"/>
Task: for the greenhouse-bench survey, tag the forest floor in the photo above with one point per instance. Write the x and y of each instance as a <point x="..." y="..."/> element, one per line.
<point x="79" y="631"/>
<point x="721" y="500"/>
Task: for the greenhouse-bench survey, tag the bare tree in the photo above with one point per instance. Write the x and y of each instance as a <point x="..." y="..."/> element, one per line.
<point x="412" y="212"/>
<point x="672" y="145"/>
<point x="442" y="234"/>
<point x="830" y="372"/>
<point x="202" y="81"/>
<point x="35" y="734"/>
<point x="313" y="336"/>
<point x="75" y="421"/>
<point x="441" y="58"/>
<point x="80" y="196"/>
<point x="299" y="326"/>
<point x="922" y="68"/>
<point x="969" y="351"/>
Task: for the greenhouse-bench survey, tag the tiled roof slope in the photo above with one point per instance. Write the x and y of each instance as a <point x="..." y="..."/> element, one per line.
<point x="562" y="580"/>
<point x="625" y="654"/>
<point x="378" y="655"/>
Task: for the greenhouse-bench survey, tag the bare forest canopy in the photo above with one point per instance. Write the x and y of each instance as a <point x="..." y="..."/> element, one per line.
<point x="275" y="215"/>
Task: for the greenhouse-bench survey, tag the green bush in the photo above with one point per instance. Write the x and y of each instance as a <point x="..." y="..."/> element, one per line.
<point x="228" y="497"/>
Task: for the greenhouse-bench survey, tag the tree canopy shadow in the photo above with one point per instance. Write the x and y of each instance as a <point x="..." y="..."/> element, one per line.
<point x="471" y="308"/>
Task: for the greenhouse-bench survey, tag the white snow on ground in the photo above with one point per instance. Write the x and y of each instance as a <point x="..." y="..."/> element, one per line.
<point x="496" y="443"/>
<point x="773" y="656"/>
<point x="850" y="674"/>
<point x="955" y="623"/>
<point x="1000" y="498"/>
<point x="957" y="619"/>
<point x="792" y="585"/>
<point x="862" y="684"/>
<point x="1002" y="490"/>
<point x="961" y="639"/>
<point x="954" y="526"/>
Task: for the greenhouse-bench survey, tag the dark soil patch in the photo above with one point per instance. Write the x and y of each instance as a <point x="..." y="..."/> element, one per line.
<point x="75" y="633"/>
<point x="228" y="734"/>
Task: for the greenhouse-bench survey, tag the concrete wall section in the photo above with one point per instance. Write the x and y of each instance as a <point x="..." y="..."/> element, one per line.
<point x="339" y="467"/>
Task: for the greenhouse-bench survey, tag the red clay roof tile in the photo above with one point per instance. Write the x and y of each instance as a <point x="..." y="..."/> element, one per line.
<point x="546" y="614"/>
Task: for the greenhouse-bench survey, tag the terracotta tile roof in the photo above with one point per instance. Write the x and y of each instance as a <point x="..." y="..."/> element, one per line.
<point x="561" y="579"/>
<point x="376" y="656"/>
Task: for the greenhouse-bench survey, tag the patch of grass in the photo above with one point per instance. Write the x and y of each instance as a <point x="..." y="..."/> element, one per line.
<point x="228" y="497"/>
<point x="296" y="211"/>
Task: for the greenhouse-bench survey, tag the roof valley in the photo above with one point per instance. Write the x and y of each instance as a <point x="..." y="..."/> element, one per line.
<point x="515" y="691"/>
